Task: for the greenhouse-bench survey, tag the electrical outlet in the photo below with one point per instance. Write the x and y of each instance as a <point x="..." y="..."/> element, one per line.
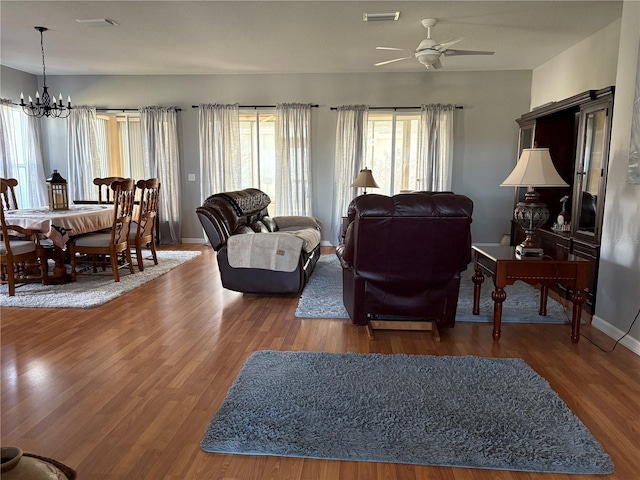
<point x="191" y="177"/>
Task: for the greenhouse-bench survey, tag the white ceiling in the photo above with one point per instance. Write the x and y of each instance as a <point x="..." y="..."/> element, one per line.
<point x="221" y="37"/>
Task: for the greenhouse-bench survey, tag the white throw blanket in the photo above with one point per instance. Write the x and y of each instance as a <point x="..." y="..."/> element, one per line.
<point x="310" y="236"/>
<point x="269" y="251"/>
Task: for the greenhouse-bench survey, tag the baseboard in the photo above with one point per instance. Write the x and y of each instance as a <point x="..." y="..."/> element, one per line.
<point x="201" y="241"/>
<point x="614" y="333"/>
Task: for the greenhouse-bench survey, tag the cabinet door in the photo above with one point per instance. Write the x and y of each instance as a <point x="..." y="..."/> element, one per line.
<point x="591" y="170"/>
<point x="525" y="140"/>
<point x="527" y="134"/>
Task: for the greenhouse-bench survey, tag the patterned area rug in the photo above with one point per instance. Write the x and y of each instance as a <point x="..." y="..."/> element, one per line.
<point x="89" y="291"/>
<point x="322" y="298"/>
<point x="489" y="413"/>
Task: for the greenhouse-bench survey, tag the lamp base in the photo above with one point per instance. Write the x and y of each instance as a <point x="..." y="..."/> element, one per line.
<point x="525" y="251"/>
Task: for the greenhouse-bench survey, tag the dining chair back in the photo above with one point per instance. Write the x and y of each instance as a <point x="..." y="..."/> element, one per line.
<point x="104" y="188"/>
<point x="9" y="195"/>
<point x="112" y="245"/>
<point x="143" y="231"/>
<point x="18" y="256"/>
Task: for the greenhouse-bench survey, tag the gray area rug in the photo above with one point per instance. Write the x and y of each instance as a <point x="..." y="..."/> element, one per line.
<point x="462" y="411"/>
<point x="322" y="298"/>
<point x="89" y="291"/>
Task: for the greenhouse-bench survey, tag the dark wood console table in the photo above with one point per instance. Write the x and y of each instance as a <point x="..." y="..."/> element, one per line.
<point x="556" y="266"/>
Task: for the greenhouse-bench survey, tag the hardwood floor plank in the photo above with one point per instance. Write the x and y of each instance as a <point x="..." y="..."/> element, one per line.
<point x="127" y="389"/>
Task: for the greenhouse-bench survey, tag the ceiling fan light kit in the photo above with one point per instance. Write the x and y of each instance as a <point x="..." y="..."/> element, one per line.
<point x="429" y="51"/>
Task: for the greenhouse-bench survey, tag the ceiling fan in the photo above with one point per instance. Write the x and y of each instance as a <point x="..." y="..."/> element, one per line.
<point x="429" y="51"/>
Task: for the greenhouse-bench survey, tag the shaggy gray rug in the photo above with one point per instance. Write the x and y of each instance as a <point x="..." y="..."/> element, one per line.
<point x="492" y="413"/>
<point x="90" y="291"/>
<point x="322" y="298"/>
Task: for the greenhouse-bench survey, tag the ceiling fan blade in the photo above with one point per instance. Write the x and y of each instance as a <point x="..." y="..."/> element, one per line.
<point x="444" y="45"/>
<point x="395" y="49"/>
<point x="391" y="61"/>
<point x="453" y="53"/>
<point x="437" y="64"/>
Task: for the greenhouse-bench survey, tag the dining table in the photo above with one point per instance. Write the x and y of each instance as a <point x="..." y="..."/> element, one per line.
<point x="58" y="226"/>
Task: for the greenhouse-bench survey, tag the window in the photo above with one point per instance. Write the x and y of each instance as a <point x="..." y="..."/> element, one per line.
<point x="120" y="144"/>
<point x="22" y="158"/>
<point x="258" y="152"/>
<point x="392" y="151"/>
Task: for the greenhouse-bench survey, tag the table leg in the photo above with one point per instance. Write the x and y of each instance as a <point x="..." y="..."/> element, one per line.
<point x="498" y="296"/>
<point x="59" y="274"/>
<point x="544" y="293"/>
<point x="578" y="298"/>
<point x="477" y="278"/>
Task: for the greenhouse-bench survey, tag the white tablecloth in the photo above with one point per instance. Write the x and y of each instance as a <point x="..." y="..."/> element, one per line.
<point x="58" y="225"/>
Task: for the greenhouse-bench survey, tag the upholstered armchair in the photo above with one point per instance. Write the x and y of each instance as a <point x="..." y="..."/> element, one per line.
<point x="402" y="256"/>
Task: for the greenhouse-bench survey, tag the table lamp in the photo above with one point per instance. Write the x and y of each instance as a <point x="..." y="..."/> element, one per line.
<point x="365" y="180"/>
<point x="534" y="169"/>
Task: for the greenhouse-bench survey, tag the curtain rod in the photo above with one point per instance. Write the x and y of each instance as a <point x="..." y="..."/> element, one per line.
<point x="105" y="109"/>
<point x="458" y="107"/>
<point x="255" y="106"/>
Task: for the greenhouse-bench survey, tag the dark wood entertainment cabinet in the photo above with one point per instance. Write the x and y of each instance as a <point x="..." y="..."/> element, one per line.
<point x="577" y="132"/>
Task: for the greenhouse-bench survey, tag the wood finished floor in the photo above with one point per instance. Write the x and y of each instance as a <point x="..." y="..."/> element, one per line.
<point x="126" y="390"/>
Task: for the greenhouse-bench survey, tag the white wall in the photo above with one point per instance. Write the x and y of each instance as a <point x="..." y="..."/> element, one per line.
<point x="619" y="274"/>
<point x="588" y="65"/>
<point x="485" y="139"/>
<point x="619" y="269"/>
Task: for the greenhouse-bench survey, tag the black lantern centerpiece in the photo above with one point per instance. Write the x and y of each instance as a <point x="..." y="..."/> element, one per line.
<point x="57" y="192"/>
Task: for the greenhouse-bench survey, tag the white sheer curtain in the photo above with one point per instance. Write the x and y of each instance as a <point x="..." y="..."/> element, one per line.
<point x="220" y="161"/>
<point x="159" y="129"/>
<point x="351" y="135"/>
<point x="293" y="159"/>
<point x="86" y="157"/>
<point x="435" y="147"/>
<point x="22" y="155"/>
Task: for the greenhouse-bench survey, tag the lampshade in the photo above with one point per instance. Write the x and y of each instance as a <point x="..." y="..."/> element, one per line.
<point x="534" y="169"/>
<point x="365" y="179"/>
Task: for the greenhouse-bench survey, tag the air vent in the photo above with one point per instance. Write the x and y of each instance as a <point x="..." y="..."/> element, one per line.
<point x="97" y="22"/>
<point x="380" y="16"/>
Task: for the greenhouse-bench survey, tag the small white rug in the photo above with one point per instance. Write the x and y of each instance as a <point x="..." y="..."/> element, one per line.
<point x="90" y="291"/>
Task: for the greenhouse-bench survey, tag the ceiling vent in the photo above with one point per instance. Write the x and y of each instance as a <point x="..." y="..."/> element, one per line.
<point x="380" y="16"/>
<point x="97" y="22"/>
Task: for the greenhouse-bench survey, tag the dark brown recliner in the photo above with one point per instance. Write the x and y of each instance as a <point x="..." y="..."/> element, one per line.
<point x="257" y="253"/>
<point x="403" y="255"/>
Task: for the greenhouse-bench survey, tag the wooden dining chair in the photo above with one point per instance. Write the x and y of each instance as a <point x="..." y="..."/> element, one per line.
<point x="18" y="256"/>
<point x="143" y="230"/>
<point x="9" y="195"/>
<point x="104" y="188"/>
<point x="112" y="247"/>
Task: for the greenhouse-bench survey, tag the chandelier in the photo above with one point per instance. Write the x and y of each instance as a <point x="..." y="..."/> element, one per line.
<point x="45" y="105"/>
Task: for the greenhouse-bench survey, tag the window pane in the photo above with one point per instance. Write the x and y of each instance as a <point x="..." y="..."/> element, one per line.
<point x="406" y="153"/>
<point x="392" y="151"/>
<point x="134" y="149"/>
<point x="248" y="147"/>
<point x="120" y="142"/>
<point x="258" y="152"/>
<point x="268" y="157"/>
<point x="379" y="150"/>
